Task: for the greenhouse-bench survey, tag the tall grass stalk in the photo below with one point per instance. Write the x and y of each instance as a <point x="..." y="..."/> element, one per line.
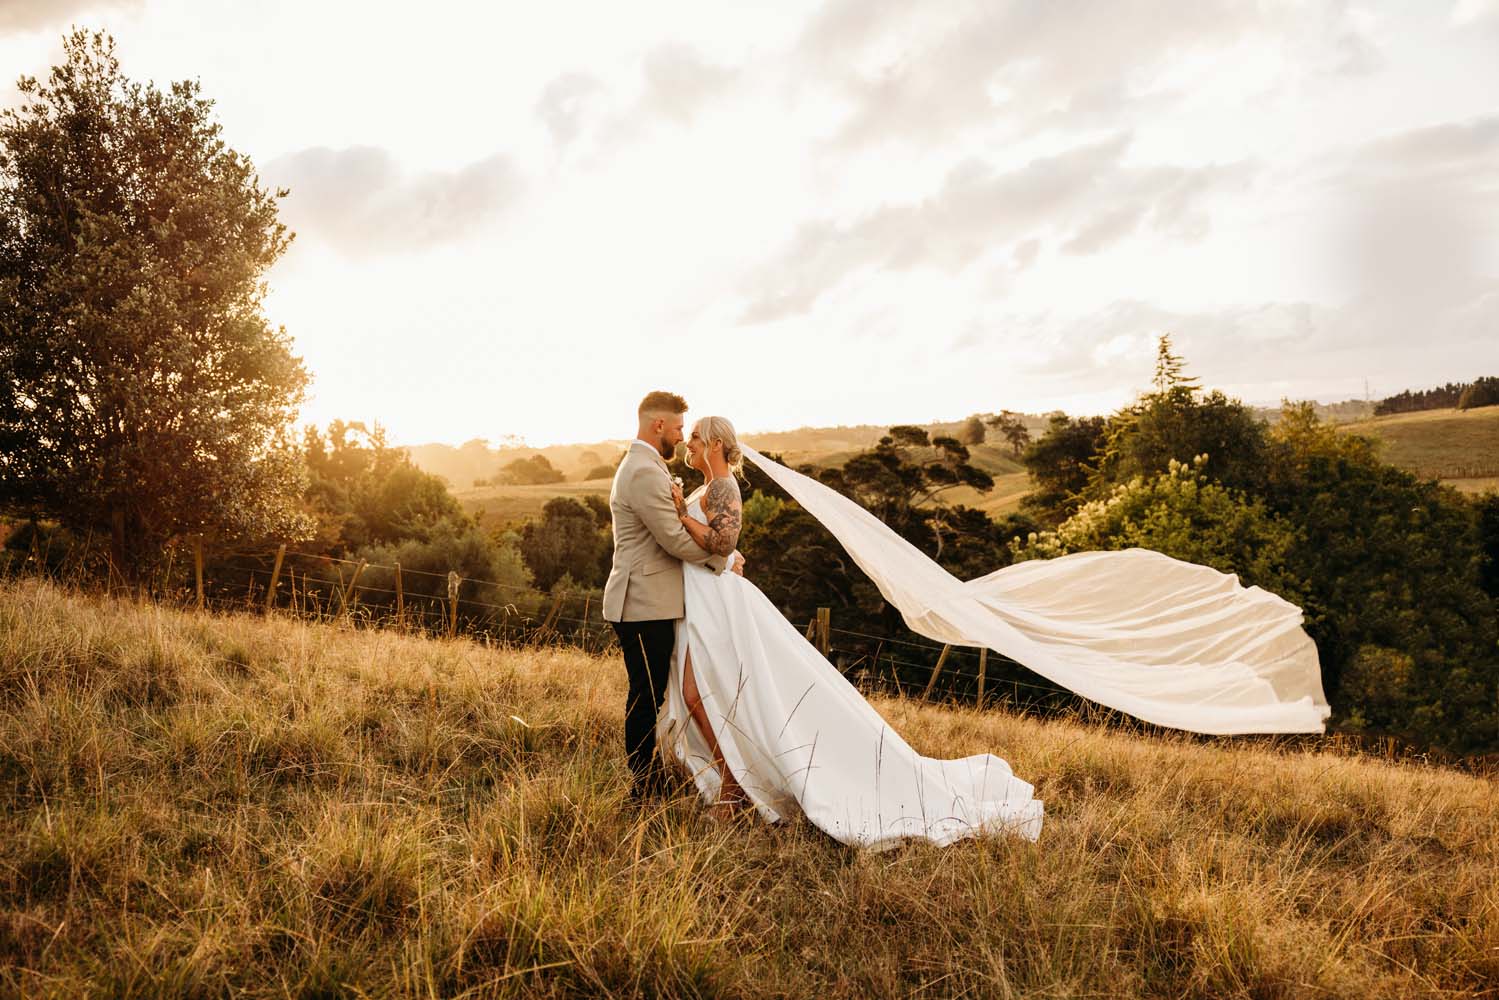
<point x="203" y="805"/>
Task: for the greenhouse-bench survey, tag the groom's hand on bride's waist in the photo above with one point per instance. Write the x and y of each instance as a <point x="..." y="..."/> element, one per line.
<point x="737" y="564"/>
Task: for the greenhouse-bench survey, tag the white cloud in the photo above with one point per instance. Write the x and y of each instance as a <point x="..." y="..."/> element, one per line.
<point x="31" y="15"/>
<point x="360" y="201"/>
<point x="1086" y="196"/>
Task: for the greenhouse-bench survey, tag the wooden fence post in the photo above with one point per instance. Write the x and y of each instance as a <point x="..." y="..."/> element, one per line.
<point x="824" y="630"/>
<point x="811" y="629"/>
<point x="198" y="567"/>
<point x="400" y="600"/>
<point x="549" y="623"/>
<point x="347" y="594"/>
<point x="935" y="671"/>
<point x="270" y="592"/>
<point x="983" y="664"/>
<point x="453" y="581"/>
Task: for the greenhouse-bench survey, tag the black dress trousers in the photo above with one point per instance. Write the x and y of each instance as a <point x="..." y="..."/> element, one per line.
<point x="647" y="647"/>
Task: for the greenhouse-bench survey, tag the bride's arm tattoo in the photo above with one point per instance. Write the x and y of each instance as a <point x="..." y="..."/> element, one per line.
<point x="721" y="504"/>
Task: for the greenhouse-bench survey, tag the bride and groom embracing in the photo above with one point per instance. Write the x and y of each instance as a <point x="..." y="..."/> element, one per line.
<point x="734" y="694"/>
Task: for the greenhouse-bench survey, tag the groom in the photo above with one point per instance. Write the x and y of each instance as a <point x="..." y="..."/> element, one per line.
<point x="643" y="597"/>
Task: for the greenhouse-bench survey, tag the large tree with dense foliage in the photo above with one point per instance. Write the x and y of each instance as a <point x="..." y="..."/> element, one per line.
<point x="145" y="394"/>
<point x="571" y="539"/>
<point x="1177" y="420"/>
<point x="1060" y="466"/>
<point x="365" y="492"/>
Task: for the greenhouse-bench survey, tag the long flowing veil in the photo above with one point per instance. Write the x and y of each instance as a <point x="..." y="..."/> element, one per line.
<point x="1169" y="642"/>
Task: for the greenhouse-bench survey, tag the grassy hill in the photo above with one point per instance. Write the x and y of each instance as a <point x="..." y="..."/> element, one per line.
<point x="1460" y="447"/>
<point x="202" y="806"/>
<point x="501" y="504"/>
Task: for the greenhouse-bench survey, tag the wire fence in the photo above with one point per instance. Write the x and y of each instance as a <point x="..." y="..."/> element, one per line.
<point x="363" y="594"/>
<point x="330" y="589"/>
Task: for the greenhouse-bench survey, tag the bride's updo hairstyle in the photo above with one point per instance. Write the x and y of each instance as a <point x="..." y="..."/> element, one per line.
<point x="712" y="429"/>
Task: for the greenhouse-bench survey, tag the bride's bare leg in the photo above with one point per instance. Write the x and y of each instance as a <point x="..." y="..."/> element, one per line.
<point x="729" y="789"/>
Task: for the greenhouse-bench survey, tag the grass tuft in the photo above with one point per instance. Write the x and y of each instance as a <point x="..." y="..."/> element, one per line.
<point x="212" y="806"/>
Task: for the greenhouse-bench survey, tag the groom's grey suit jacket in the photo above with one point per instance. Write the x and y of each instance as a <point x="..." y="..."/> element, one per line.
<point x="650" y="544"/>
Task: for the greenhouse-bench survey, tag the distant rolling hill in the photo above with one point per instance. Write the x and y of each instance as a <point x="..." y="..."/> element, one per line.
<point x="1458" y="447"/>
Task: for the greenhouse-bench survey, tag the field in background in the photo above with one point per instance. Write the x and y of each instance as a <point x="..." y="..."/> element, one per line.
<point x="503" y="504"/>
<point x="200" y="805"/>
<point x="1458" y="447"/>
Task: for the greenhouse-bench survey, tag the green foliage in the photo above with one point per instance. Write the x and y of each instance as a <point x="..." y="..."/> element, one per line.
<point x="366" y="493"/>
<point x="801" y="568"/>
<point x="1013" y="429"/>
<point x="1060" y="465"/>
<point x="146" y="395"/>
<point x="570" y="540"/>
<point x="1184" y="514"/>
<point x="761" y="507"/>
<point x="1390" y="570"/>
<point x="1483" y="392"/>
<point x="493" y="570"/>
<point x="1178" y="421"/>
<point x="1394" y="562"/>
<point x="1440" y="398"/>
<point x="973" y="431"/>
<point x="533" y="471"/>
<point x="1488" y="533"/>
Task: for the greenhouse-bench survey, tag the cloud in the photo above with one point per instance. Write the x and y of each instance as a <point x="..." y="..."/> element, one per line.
<point x="359" y="200"/>
<point x="1414" y="215"/>
<point x="1443" y="145"/>
<point x="1085" y="195"/>
<point x="909" y="74"/>
<point x="1259" y="352"/>
<point x="29" y="15"/>
<point x="564" y="105"/>
<point x="676" y="84"/>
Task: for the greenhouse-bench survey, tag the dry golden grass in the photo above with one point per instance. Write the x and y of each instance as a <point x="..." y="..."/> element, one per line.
<point x="206" y="806"/>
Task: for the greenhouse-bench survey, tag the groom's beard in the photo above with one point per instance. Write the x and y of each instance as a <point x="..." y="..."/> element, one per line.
<point x="667" y="453"/>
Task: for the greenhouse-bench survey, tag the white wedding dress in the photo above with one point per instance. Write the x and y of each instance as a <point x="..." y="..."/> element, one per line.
<point x="799" y="738"/>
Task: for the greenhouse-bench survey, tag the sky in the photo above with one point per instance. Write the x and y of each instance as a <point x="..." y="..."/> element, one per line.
<point x="514" y="220"/>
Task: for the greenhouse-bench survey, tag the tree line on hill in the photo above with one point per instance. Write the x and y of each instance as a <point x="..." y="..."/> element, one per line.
<point x="150" y="407"/>
<point x="1482" y="391"/>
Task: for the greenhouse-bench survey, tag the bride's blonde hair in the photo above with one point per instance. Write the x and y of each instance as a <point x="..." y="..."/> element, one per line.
<point x="712" y="429"/>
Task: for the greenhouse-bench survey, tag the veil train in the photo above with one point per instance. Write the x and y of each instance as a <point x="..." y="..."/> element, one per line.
<point x="1170" y="642"/>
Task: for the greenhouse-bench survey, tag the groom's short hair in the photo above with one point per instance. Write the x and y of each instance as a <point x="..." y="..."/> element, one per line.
<point x="662" y="403"/>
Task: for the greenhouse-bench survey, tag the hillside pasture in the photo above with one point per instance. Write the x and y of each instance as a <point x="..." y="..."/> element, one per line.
<point x="506" y="504"/>
<point x="1459" y="447"/>
<point x="204" y="805"/>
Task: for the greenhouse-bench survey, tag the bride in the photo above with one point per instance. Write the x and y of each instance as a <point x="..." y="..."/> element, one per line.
<point x="762" y="721"/>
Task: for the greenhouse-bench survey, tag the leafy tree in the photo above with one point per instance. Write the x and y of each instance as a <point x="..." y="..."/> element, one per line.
<point x="1393" y="563"/>
<point x="1488" y="531"/>
<point x="493" y="571"/>
<point x="366" y="493"/>
<point x="973" y="431"/>
<point x="146" y="396"/>
<point x="1176" y="420"/>
<point x="567" y="541"/>
<point x="533" y="471"/>
<point x="599" y="472"/>
<point x="1013" y="430"/>
<point x="1183" y="514"/>
<point x="1408" y="401"/>
<point x="1483" y="392"/>
<point x="1060" y="465"/>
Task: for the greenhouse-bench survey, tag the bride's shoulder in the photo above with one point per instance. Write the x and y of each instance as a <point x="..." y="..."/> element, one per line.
<point x="722" y="490"/>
